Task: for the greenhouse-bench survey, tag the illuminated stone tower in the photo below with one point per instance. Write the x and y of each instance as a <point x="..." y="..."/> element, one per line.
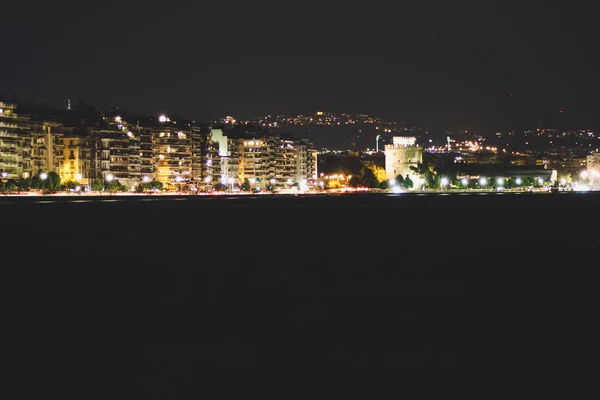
<point x="402" y="154"/>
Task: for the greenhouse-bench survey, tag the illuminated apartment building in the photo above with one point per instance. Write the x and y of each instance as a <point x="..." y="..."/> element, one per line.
<point x="47" y="152"/>
<point x="115" y="154"/>
<point x="172" y="156"/>
<point x="78" y="163"/>
<point x="15" y="143"/>
<point x="202" y="158"/>
<point x="264" y="159"/>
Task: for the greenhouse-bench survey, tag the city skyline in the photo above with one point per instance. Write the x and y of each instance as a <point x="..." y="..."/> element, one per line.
<point x="469" y="65"/>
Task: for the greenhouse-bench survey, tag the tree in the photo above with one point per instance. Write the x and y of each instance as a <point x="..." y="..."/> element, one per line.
<point x="407" y="183"/>
<point x="365" y="178"/>
<point x="53" y="181"/>
<point x="36" y="182"/>
<point x="246" y="185"/>
<point x="68" y="185"/>
<point x="11" y="186"/>
<point x="156" y="185"/>
<point x="400" y="180"/>
<point x="529" y="182"/>
<point x="98" y="184"/>
<point x="378" y="171"/>
<point x="219" y="187"/>
<point x="25" y="184"/>
<point x="384" y="185"/>
<point x="428" y="173"/>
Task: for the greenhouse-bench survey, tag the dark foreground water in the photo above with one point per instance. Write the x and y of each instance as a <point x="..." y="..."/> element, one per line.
<point x="166" y="297"/>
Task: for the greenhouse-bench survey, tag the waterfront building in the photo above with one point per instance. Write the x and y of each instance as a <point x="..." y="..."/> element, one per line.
<point x="263" y="159"/>
<point x="402" y="154"/>
<point x="147" y="169"/>
<point x="593" y="162"/>
<point x="47" y="148"/>
<point x="201" y="157"/>
<point x="15" y="143"/>
<point x="111" y="151"/>
<point x="77" y="164"/>
<point x="593" y="168"/>
<point x="172" y="156"/>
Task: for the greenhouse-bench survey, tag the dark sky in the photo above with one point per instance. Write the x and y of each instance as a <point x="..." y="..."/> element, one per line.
<point x="441" y="64"/>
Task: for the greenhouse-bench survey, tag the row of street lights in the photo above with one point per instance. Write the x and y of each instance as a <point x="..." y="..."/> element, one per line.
<point x="484" y="181"/>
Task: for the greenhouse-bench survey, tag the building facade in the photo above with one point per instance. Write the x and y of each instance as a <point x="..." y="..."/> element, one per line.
<point x="15" y="143"/>
<point x="196" y="156"/>
<point x="172" y="156"/>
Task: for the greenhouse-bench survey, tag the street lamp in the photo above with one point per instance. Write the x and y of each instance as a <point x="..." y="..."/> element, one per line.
<point x="78" y="177"/>
<point x="518" y="181"/>
<point x="146" y="179"/>
<point x="231" y="182"/>
<point x="5" y="175"/>
<point x="500" y="181"/>
<point x="43" y="176"/>
<point x="444" y="182"/>
<point x="109" y="177"/>
<point x="465" y="182"/>
<point x="540" y="181"/>
<point x="483" y="182"/>
<point x="273" y="181"/>
<point x="289" y="181"/>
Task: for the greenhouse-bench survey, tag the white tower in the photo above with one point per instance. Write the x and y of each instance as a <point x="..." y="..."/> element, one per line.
<point x="402" y="154"/>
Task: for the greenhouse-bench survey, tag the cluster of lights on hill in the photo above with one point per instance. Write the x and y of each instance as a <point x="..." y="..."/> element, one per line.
<point x="320" y="118"/>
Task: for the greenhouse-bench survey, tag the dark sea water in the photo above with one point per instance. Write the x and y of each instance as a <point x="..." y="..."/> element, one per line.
<point x="159" y="297"/>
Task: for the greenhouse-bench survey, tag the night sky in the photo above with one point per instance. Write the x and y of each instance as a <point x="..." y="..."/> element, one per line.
<point x="439" y="64"/>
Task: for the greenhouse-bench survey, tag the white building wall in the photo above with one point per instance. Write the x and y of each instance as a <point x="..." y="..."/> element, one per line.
<point x="400" y="156"/>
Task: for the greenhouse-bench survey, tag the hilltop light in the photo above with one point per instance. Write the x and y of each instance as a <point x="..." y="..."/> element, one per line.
<point x="162" y="118"/>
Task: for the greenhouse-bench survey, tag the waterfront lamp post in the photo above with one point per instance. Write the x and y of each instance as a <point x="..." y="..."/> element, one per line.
<point x="483" y="182"/>
<point x="444" y="182"/>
